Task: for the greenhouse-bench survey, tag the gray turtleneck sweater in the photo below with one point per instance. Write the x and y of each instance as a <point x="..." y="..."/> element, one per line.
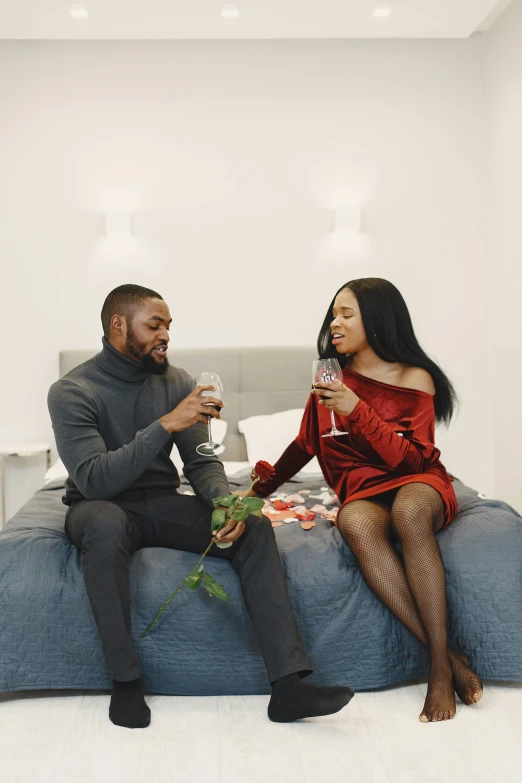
<point x="105" y="415"/>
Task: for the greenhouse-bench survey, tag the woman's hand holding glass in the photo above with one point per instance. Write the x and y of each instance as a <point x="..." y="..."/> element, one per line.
<point x="326" y="372"/>
<point x="337" y="397"/>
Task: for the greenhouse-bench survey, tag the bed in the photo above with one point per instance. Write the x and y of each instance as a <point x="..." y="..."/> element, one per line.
<point x="48" y="638"/>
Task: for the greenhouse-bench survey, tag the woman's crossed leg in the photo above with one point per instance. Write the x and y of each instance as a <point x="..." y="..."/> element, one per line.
<point x="412" y="587"/>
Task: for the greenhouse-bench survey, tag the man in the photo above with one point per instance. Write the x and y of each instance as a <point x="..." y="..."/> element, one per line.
<point x="116" y="418"/>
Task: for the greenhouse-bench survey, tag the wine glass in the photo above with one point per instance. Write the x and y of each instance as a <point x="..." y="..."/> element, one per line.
<point x="328" y="371"/>
<point x="210" y="448"/>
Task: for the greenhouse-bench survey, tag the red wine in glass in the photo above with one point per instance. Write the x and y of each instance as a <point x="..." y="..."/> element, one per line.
<point x="210" y="448"/>
<point x="328" y="371"/>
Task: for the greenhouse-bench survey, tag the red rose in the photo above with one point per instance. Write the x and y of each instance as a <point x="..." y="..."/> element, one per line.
<point x="263" y="471"/>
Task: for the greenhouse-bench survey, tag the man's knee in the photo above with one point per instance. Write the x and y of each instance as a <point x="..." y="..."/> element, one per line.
<point x="98" y="520"/>
<point x="259" y="527"/>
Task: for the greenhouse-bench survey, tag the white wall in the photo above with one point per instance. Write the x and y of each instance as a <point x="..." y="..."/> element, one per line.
<point x="503" y="70"/>
<point x="231" y="156"/>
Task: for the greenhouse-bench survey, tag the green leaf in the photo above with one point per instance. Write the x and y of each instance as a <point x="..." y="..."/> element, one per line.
<point x="193" y="581"/>
<point x="240" y="513"/>
<point x="225" y="500"/>
<point x="214" y="588"/>
<point x="253" y="504"/>
<point x="219" y="518"/>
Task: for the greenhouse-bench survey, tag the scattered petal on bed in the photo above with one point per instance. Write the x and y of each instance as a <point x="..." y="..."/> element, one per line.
<point x="318" y="508"/>
<point x="280" y="505"/>
<point x="299" y="509"/>
<point x="268" y="510"/>
<point x="290" y="519"/>
<point x="280" y="516"/>
<point x="331" y="514"/>
<point x="294" y="499"/>
<point x="307" y="525"/>
<point x="304" y="491"/>
<point x="329" y="500"/>
<point x="277" y="524"/>
<point x="306" y="517"/>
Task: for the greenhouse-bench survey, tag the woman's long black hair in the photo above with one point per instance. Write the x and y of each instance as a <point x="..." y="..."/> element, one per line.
<point x="389" y="332"/>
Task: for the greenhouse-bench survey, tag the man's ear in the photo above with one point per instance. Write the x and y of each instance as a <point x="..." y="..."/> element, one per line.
<point x="119" y="325"/>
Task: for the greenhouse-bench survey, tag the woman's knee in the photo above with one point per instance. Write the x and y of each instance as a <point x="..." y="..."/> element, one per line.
<point x="415" y="511"/>
<point x="361" y="522"/>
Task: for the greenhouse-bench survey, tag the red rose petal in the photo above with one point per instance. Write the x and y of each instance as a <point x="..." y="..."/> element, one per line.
<point x="280" y="505"/>
<point x="306" y="517"/>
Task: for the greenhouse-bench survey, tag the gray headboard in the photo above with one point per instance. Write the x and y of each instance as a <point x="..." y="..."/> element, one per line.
<point x="255" y="380"/>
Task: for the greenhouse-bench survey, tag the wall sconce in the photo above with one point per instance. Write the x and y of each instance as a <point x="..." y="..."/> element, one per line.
<point x="79" y="10"/>
<point x="118" y="224"/>
<point x="382" y="10"/>
<point x="230" y="10"/>
<point x="347" y="219"/>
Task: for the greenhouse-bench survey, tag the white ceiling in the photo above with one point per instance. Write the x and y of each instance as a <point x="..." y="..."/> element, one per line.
<point x="201" y="19"/>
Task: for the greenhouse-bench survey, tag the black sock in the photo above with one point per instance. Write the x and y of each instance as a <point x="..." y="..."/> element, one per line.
<point x="293" y="699"/>
<point x="128" y="707"/>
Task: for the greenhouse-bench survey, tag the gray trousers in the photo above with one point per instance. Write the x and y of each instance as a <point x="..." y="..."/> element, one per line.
<point x="108" y="532"/>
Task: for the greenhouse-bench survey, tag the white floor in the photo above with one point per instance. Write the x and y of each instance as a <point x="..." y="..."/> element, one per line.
<point x="66" y="737"/>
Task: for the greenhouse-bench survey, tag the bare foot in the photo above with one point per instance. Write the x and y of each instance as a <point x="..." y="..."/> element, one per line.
<point x="440" y="699"/>
<point x="468" y="685"/>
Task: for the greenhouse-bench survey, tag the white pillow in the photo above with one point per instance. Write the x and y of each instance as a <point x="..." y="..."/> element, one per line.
<point x="55" y="472"/>
<point x="219" y="430"/>
<point x="268" y="436"/>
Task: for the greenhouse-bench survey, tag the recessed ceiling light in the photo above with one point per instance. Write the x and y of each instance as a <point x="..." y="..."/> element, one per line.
<point x="382" y="11"/>
<point x="79" y="10"/>
<point x="230" y="10"/>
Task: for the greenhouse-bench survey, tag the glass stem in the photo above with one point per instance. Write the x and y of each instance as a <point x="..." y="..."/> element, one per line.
<point x="209" y="419"/>
<point x="334" y="428"/>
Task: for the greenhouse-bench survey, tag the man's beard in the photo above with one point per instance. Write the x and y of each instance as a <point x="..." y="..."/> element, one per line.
<point x="147" y="361"/>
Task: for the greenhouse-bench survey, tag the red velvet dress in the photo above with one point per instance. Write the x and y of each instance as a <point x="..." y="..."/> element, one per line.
<point x="390" y="443"/>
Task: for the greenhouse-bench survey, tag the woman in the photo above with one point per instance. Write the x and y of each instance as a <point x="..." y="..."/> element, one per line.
<point x="386" y="470"/>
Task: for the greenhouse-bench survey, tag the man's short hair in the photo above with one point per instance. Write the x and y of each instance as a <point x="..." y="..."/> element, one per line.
<point x="124" y="300"/>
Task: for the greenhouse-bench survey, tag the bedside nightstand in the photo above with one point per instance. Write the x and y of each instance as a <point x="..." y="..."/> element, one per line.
<point x="18" y="450"/>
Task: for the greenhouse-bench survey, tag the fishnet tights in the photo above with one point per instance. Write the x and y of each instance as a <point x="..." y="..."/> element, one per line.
<point x="412" y="587"/>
